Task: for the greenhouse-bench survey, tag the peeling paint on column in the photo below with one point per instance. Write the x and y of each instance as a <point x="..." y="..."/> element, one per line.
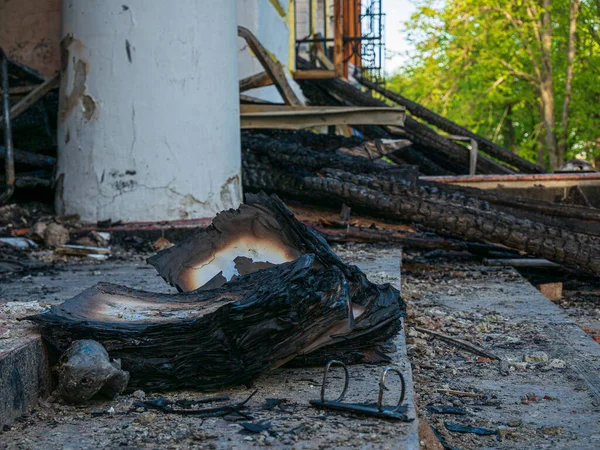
<point x="149" y="114"/>
<point x="73" y="87"/>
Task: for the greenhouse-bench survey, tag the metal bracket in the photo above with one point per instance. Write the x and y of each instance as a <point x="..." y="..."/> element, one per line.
<point x="397" y="412"/>
<point x="473" y="150"/>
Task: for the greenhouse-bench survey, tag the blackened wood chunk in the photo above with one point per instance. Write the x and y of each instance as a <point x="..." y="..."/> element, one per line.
<point x="266" y="231"/>
<point x="207" y="339"/>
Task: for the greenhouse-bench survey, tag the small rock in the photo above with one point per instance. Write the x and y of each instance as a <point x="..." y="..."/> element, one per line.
<point x="139" y="394"/>
<point x="518" y="366"/>
<point x="38" y="230"/>
<point x="110" y="410"/>
<point x="535" y="357"/>
<point x="161" y="244"/>
<point x="556" y="364"/>
<point x="56" y="235"/>
<point x="147" y="418"/>
<point x="515" y="423"/>
<point x="551" y="431"/>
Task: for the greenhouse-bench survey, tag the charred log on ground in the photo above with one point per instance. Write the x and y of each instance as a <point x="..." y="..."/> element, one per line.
<point x="447" y="213"/>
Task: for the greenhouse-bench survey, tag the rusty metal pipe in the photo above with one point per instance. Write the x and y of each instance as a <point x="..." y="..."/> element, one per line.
<point x="8" y="142"/>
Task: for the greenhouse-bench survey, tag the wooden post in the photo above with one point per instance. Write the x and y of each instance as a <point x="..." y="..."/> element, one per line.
<point x="338" y="38"/>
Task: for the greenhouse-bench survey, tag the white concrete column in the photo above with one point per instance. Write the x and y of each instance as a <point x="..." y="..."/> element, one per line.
<point x="149" y="110"/>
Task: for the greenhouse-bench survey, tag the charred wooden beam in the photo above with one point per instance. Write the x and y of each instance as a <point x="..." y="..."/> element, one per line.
<point x="273" y="68"/>
<point x="448" y="214"/>
<point x="418" y="133"/>
<point x="289" y="117"/>
<point x="572" y="217"/>
<point x="255" y="81"/>
<point x="448" y="126"/>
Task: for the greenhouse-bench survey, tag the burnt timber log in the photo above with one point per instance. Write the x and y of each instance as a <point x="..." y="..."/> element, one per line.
<point x="385" y="195"/>
<point x="418" y="133"/>
<point x="571" y="217"/>
<point x="263" y="232"/>
<point x="209" y="339"/>
<point x="448" y="126"/>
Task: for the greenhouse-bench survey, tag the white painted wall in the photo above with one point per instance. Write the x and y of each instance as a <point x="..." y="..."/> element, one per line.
<point x="149" y="114"/>
<point x="268" y="20"/>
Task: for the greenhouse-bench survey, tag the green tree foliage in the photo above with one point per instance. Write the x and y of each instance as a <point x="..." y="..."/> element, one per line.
<point x="499" y="67"/>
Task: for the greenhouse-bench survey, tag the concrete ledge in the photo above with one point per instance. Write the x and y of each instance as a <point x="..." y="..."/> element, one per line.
<point x="25" y="376"/>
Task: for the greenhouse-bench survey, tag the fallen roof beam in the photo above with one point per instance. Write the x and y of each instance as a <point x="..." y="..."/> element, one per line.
<point x="293" y="118"/>
<point x="273" y="68"/>
<point x="520" y="180"/>
<point x="448" y="126"/>
<point x="418" y="133"/>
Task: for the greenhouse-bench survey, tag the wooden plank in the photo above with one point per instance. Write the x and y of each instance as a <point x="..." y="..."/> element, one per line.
<point x="254" y="100"/>
<point x="272" y="116"/>
<point x="314" y="74"/>
<point x="552" y="291"/>
<point x="255" y="81"/>
<point x="273" y="68"/>
<point x="338" y="38"/>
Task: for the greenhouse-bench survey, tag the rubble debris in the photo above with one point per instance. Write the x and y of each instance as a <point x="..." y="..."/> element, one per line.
<point x="448" y="126"/>
<point x="229" y="332"/>
<point x="56" y="235"/>
<point x="458" y="343"/>
<point x="434" y="151"/>
<point x="458" y="428"/>
<point x="459" y="393"/>
<point x="535" y="357"/>
<point x="446" y="409"/>
<point x="258" y="427"/>
<point x="85" y="370"/>
<point x="82" y="250"/>
<point x="18" y="242"/>
<point x="272" y="403"/>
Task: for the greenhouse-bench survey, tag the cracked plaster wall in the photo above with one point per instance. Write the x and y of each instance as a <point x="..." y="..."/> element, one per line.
<point x="149" y="110"/>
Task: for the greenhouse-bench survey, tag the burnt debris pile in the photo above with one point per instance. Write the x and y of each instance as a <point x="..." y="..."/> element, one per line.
<point x="258" y="289"/>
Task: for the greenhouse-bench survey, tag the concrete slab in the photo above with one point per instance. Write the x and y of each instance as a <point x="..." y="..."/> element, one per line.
<point x="24" y="375"/>
<point x="298" y="424"/>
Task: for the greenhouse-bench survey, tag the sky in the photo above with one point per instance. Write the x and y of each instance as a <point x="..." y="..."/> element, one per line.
<point x="397" y="12"/>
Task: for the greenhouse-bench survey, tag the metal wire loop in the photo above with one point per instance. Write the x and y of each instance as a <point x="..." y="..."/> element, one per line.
<point x="346" y="379"/>
<point x="382" y="387"/>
